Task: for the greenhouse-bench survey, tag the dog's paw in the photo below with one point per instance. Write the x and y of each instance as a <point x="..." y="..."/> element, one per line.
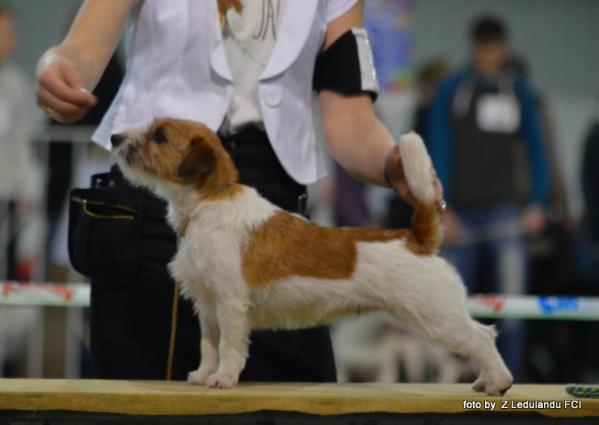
<point x="494" y="387"/>
<point x="221" y="380"/>
<point x="479" y="385"/>
<point x="198" y="376"/>
<point x="499" y="388"/>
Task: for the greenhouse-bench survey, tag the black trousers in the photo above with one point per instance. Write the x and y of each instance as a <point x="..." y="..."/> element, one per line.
<point x="130" y="321"/>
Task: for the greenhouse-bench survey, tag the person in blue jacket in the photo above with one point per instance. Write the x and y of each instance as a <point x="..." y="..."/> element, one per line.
<point x="487" y="148"/>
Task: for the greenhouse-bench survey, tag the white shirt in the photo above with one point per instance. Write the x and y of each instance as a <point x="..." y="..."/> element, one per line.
<point x="177" y="67"/>
<point x="249" y="38"/>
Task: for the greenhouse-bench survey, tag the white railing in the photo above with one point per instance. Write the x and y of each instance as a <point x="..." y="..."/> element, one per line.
<point x="481" y="306"/>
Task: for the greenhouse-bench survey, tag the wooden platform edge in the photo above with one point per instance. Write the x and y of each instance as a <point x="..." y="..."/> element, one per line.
<point x="181" y="399"/>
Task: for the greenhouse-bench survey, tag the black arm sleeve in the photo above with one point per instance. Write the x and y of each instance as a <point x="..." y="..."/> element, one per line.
<point x="347" y="66"/>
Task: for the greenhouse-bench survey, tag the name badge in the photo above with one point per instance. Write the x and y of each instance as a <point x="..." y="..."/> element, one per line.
<point x="498" y="113"/>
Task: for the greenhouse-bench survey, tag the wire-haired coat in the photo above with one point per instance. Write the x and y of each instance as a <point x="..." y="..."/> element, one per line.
<point x="248" y="265"/>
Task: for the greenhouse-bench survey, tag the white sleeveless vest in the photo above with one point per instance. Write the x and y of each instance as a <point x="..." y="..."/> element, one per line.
<point x="177" y="68"/>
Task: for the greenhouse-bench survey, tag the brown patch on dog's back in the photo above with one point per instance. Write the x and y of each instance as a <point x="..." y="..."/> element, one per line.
<point x="287" y="245"/>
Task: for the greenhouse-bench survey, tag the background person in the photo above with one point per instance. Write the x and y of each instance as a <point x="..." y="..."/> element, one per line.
<point x="19" y="175"/>
<point x="19" y="191"/>
<point x="485" y="140"/>
<point x="590" y="189"/>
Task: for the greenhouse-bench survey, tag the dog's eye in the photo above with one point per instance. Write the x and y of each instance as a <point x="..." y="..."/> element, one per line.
<point x="159" y="136"/>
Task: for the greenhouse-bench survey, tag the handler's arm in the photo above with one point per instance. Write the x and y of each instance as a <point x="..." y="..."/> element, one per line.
<point x="67" y="73"/>
<point x="358" y="141"/>
<point x="354" y="135"/>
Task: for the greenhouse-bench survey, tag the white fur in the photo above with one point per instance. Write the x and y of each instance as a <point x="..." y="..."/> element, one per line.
<point x="417" y="166"/>
<point x="424" y="291"/>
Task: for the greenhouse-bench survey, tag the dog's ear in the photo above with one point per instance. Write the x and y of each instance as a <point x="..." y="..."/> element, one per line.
<point x="198" y="162"/>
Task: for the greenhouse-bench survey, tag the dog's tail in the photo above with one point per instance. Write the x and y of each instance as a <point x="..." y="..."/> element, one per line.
<point x="417" y="166"/>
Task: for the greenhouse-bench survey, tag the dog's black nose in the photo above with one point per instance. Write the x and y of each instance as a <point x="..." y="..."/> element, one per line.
<point x="116" y="140"/>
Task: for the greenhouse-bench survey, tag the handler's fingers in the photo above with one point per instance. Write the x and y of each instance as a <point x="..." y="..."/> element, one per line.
<point x="74" y="80"/>
<point x="53" y="115"/>
<point x="57" y="109"/>
<point x="403" y="190"/>
<point x="56" y="79"/>
<point x="68" y="94"/>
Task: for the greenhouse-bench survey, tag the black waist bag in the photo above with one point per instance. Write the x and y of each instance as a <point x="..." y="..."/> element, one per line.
<point x="105" y="230"/>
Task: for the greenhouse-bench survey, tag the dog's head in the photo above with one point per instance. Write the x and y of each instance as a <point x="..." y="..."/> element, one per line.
<point x="175" y="152"/>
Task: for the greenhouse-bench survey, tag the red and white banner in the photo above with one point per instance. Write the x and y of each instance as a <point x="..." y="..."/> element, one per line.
<point x="45" y="294"/>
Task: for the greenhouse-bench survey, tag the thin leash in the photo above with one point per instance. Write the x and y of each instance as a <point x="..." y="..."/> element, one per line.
<point x="173" y="333"/>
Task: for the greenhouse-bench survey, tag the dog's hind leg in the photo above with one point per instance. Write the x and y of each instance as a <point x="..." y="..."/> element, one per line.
<point x="439" y="313"/>
<point x="208" y="349"/>
<point x="466" y="337"/>
<point x="484" y="378"/>
<point x="494" y="377"/>
<point x="234" y="328"/>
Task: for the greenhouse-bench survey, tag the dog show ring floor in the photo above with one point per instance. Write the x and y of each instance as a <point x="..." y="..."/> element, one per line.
<point x="54" y="401"/>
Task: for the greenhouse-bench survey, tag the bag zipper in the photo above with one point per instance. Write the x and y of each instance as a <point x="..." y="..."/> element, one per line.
<point x="84" y="206"/>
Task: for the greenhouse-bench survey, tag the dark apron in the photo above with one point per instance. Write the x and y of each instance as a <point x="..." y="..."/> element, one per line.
<point x="489" y="164"/>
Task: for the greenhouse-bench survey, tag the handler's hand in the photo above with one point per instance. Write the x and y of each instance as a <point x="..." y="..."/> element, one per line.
<point x="61" y="92"/>
<point x="397" y="179"/>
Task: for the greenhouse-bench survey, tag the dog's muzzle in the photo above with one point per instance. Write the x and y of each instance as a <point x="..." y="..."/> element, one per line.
<point x="125" y="147"/>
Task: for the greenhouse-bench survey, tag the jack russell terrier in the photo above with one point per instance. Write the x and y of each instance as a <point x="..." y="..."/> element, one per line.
<point x="248" y="264"/>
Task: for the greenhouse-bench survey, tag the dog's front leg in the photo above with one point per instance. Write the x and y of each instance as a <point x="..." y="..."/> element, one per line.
<point x="234" y="329"/>
<point x="208" y="349"/>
